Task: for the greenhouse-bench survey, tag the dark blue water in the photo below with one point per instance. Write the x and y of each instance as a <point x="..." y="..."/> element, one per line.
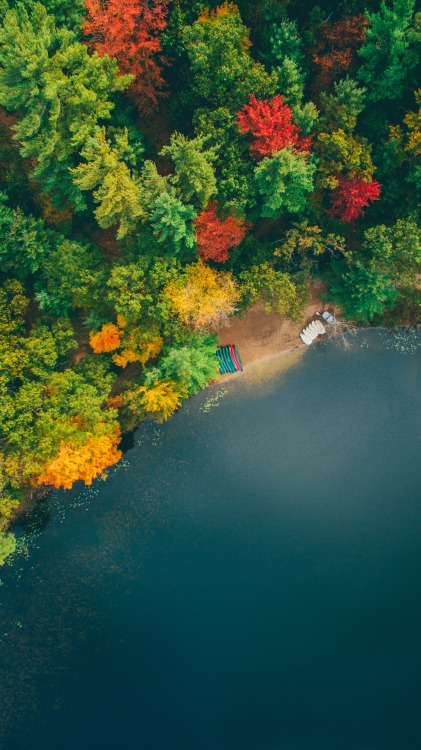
<point x="250" y="579"/>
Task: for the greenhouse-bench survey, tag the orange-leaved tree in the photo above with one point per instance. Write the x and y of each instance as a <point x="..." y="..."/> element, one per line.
<point x="85" y="462"/>
<point x="336" y="48"/>
<point x="129" y="31"/>
<point x="203" y="298"/>
<point x="136" y="344"/>
<point x="216" y="236"/>
<point x="271" y="125"/>
<point x="105" y="340"/>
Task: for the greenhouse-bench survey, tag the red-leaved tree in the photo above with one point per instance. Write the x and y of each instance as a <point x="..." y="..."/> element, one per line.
<point x="128" y="30"/>
<point x="350" y="197"/>
<point x="336" y="48"/>
<point x="271" y="125"/>
<point x="215" y="236"/>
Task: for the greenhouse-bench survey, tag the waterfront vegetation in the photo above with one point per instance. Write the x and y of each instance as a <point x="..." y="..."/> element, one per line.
<point x="164" y="164"/>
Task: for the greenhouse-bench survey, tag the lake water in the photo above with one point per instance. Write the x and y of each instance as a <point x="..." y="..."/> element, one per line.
<point x="248" y="579"/>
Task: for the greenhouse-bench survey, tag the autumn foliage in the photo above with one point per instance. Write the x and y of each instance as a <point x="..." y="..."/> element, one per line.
<point x="203" y="298"/>
<point x="215" y="236"/>
<point x="139" y="348"/>
<point x="83" y="462"/>
<point x="336" y="48"/>
<point x="121" y="250"/>
<point x="159" y="400"/>
<point x="106" y="340"/>
<point x="271" y="125"/>
<point x="350" y="197"/>
<point x="135" y="343"/>
<point x="129" y="32"/>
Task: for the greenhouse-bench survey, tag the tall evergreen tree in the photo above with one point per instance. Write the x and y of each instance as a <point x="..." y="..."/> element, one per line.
<point x="391" y="50"/>
<point x="116" y="190"/>
<point x="341" y="109"/>
<point x="190" y="366"/>
<point x="194" y="174"/>
<point x="285" y="57"/>
<point x="172" y="223"/>
<point x="284" y="182"/>
<point x="59" y="90"/>
<point x="24" y="241"/>
<point x="152" y="184"/>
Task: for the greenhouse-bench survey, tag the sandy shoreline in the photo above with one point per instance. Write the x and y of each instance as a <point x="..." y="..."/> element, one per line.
<point x="268" y="343"/>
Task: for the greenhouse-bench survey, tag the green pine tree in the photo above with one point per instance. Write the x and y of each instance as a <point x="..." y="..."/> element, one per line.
<point x="361" y="291"/>
<point x="59" y="90"/>
<point x="24" y="241"/>
<point x="341" y="109"/>
<point x="391" y="50"/>
<point x="194" y="174"/>
<point x="191" y="366"/>
<point x="116" y="191"/>
<point x="172" y="223"/>
<point x="284" y="181"/>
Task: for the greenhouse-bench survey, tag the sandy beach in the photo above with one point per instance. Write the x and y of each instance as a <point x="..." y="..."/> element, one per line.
<point x="269" y="344"/>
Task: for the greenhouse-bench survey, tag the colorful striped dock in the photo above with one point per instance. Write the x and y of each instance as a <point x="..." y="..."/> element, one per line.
<point x="229" y="359"/>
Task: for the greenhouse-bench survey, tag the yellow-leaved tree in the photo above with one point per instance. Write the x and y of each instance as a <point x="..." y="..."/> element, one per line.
<point x="203" y="298"/>
<point x="158" y="400"/>
<point x="413" y="122"/>
<point x="138" y="345"/>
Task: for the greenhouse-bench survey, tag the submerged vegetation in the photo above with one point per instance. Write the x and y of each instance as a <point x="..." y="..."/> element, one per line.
<point x="165" y="164"/>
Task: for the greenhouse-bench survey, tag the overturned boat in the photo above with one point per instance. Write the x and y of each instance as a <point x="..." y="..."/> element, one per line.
<point x="328" y="317"/>
<point x="312" y="331"/>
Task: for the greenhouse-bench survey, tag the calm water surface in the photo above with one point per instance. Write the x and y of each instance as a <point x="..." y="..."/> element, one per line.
<point x="248" y="579"/>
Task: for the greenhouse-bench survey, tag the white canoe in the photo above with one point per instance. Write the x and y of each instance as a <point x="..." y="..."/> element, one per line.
<point x="320" y="326"/>
<point x="306" y="339"/>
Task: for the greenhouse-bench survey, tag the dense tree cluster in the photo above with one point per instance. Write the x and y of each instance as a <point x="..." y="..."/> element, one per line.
<point x="165" y="164"/>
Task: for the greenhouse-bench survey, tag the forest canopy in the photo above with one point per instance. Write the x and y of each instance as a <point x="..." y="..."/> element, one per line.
<point x="164" y="164"/>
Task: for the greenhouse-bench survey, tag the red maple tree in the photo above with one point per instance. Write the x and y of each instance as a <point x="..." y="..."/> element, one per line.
<point x="270" y="123"/>
<point x="350" y="197"/>
<point x="216" y="237"/>
<point x="128" y="30"/>
<point x="335" y="49"/>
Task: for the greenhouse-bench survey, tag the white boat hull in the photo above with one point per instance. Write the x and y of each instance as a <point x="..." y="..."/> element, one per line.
<point x="306" y="339"/>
